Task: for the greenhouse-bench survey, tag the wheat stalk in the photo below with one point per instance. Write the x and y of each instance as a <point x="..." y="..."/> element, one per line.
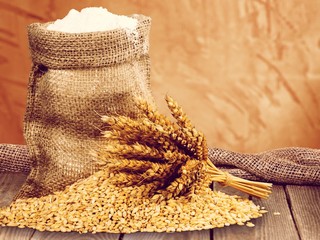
<point x="172" y="158"/>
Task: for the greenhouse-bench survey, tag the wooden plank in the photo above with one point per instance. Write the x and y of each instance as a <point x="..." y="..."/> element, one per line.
<point x="272" y="226"/>
<point x="73" y="235"/>
<point x="13" y="233"/>
<point x="269" y="226"/>
<point x="9" y="185"/>
<point x="195" y="235"/>
<point x="305" y="206"/>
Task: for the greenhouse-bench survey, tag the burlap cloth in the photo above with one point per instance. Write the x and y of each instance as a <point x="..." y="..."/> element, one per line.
<point x="76" y="77"/>
<point x="286" y="166"/>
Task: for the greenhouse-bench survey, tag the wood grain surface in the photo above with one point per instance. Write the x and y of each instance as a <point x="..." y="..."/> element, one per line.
<point x="195" y="235"/>
<point x="270" y="226"/>
<point x="305" y="206"/>
<point x="73" y="236"/>
<point x="9" y="185"/>
<point x="293" y="213"/>
<point x="246" y="71"/>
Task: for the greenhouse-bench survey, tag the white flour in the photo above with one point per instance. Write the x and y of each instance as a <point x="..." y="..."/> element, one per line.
<point x="94" y="19"/>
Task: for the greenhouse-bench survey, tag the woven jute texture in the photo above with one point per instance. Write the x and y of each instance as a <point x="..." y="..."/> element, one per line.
<point x="14" y="158"/>
<point x="74" y="79"/>
<point x="285" y="165"/>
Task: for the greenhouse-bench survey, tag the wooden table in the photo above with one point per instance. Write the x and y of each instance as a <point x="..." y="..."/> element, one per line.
<point x="299" y="218"/>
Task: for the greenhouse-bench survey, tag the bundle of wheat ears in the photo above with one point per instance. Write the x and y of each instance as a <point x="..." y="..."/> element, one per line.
<point x="170" y="158"/>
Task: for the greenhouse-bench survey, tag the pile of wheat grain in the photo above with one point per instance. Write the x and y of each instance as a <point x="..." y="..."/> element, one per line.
<point x="96" y="205"/>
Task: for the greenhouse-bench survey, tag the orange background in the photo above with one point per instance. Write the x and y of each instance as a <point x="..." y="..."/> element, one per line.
<point x="247" y="72"/>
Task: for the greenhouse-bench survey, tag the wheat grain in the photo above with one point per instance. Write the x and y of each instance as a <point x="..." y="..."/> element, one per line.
<point x="96" y="205"/>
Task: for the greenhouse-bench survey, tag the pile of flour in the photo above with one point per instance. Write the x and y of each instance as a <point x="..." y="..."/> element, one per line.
<point x="93" y="19"/>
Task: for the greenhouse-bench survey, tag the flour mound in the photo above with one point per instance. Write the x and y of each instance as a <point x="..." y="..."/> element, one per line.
<point x="93" y="19"/>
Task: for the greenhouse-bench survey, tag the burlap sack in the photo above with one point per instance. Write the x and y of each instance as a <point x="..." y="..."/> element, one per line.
<point x="74" y="78"/>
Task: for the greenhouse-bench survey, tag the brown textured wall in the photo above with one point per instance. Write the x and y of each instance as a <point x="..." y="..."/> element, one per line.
<point x="246" y="71"/>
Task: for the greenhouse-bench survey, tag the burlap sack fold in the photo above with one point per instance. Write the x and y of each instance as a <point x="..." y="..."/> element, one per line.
<point x="292" y="165"/>
<point x="76" y="77"/>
